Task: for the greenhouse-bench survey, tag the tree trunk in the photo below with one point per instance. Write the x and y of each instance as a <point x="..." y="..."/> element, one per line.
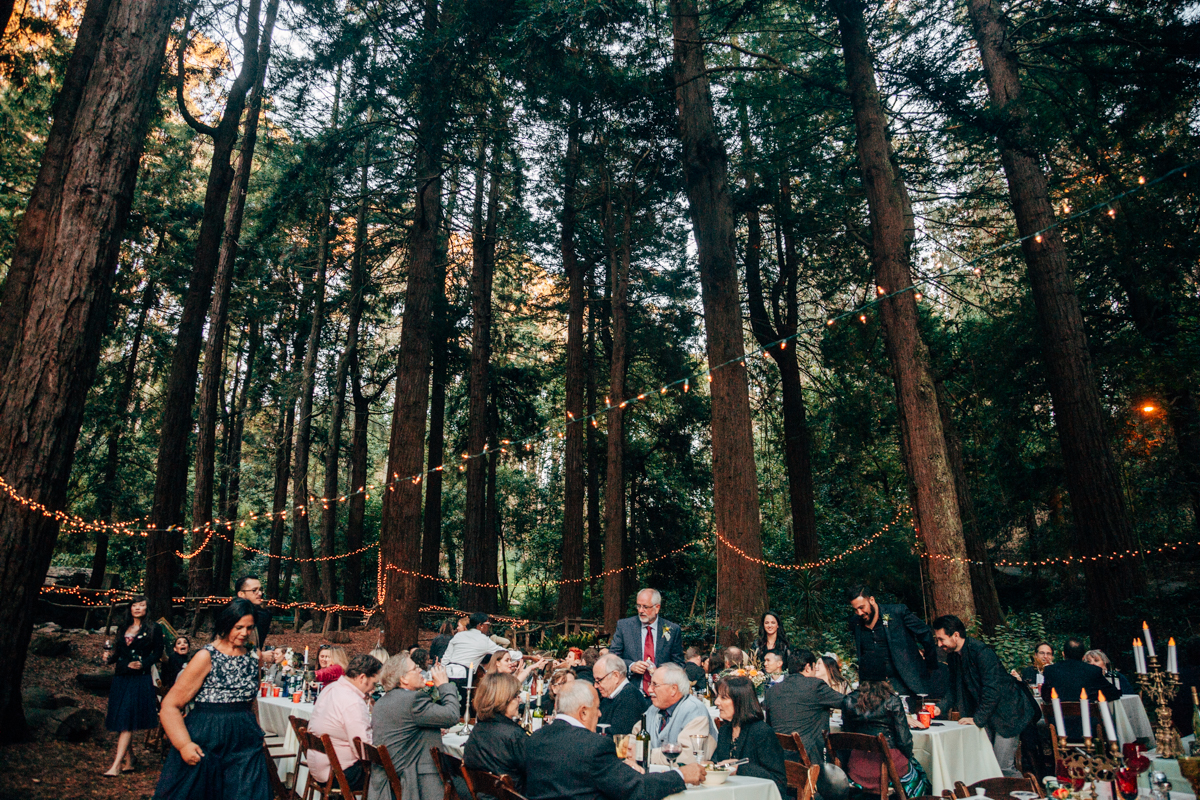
<point x="1102" y="522"/>
<point x="570" y="592"/>
<point x="283" y="465"/>
<point x="476" y="533"/>
<point x="614" y="482"/>
<point x="112" y="458"/>
<point x="352" y="591"/>
<point x="735" y="483"/>
<point x="170" y="480"/>
<point x="53" y="359"/>
<point x="223" y="569"/>
<point x="34" y="225"/>
<point x="200" y="568"/>
<point x="432" y="519"/>
<point x="400" y="525"/>
<point x="922" y="440"/>
<point x="595" y="531"/>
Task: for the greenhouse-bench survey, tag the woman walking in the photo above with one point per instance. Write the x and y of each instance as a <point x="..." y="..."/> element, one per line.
<point x="218" y="749"/>
<point x="132" y="705"/>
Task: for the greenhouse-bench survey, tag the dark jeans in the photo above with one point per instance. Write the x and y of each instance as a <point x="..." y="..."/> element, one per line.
<point x="356" y="774"/>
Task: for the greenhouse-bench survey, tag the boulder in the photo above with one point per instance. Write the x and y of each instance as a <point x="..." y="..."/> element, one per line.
<point x="338" y="637"/>
<point x="32" y="697"/>
<point x="95" y="682"/>
<point x="307" y="627"/>
<point x="66" y="724"/>
<point x="50" y="647"/>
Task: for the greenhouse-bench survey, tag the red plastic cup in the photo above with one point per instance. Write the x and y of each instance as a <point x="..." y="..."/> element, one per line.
<point x="924" y="718"/>
<point x="264" y="690"/>
<point x="276" y="691"/>
<point x="932" y="709"/>
<point x="296" y="697"/>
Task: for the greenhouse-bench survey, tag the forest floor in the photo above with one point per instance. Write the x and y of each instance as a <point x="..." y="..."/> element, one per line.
<point x="49" y="769"/>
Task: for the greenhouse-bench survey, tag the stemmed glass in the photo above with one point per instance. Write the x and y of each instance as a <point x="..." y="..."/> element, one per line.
<point x="904" y="702"/>
<point x="921" y="695"/>
<point x="603" y="726"/>
<point x="699" y="742"/>
<point x="671" y="750"/>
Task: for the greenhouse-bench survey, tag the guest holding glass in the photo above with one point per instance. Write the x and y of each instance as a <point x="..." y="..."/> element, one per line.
<point x="747" y="735"/>
<point x="217" y="751"/>
<point x="1043" y="656"/>
<point x="874" y="708"/>
<point x="497" y="742"/>
<point x="408" y="720"/>
<point x="771" y="638"/>
<point x="502" y="662"/>
<point x="332" y="663"/>
<point x="132" y="703"/>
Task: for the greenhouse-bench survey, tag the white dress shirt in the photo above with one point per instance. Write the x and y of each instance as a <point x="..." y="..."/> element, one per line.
<point x="469" y="647"/>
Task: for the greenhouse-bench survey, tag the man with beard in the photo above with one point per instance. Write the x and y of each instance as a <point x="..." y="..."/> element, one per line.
<point x="896" y="640"/>
<point x="646" y="641"/>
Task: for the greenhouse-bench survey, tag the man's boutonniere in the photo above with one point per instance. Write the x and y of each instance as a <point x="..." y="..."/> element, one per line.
<point x="666" y="634"/>
<point x="886" y="619"/>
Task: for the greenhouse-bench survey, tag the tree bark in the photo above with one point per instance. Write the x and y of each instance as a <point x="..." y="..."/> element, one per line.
<point x="283" y="468"/>
<point x="595" y="530"/>
<point x="352" y="589"/>
<point x="570" y="592"/>
<point x="53" y="359"/>
<point x="223" y="569"/>
<point x="400" y="525"/>
<point x="200" y="568"/>
<point x="112" y="458"/>
<point x="740" y="581"/>
<point x="476" y="533"/>
<point x="33" y="227"/>
<point x="922" y="439"/>
<point x="614" y="482"/>
<point x="170" y="480"/>
<point x="1102" y="521"/>
<point x="431" y="521"/>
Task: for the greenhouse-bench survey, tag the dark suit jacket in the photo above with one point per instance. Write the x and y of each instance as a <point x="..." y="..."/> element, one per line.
<point x="981" y="688"/>
<point x="497" y="745"/>
<point x="801" y="704"/>
<point x="910" y="642"/>
<point x="628" y="639"/>
<point x="696" y="675"/>
<point x="756" y="742"/>
<point x="1069" y="678"/>
<point x="563" y="762"/>
<point x="623" y="711"/>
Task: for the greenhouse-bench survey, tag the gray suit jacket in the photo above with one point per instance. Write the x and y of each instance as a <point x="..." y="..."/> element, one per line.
<point x="690" y="716"/>
<point x="628" y="640"/>
<point x="801" y="704"/>
<point x="409" y="723"/>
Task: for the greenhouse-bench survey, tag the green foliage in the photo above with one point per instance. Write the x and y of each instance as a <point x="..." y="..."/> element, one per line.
<point x="1015" y="640"/>
<point x="558" y="645"/>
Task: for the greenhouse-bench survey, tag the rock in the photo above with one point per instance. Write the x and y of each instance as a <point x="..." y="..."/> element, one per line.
<point x="277" y="627"/>
<point x="95" y="682"/>
<point x="34" y="697"/>
<point x="307" y="627"/>
<point x="50" y="647"/>
<point x="338" y="637"/>
<point x="67" y="724"/>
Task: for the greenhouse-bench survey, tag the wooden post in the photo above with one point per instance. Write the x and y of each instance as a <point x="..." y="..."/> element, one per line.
<point x="112" y="607"/>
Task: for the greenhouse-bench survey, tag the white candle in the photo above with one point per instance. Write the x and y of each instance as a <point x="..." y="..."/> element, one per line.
<point x="470" y="675"/>
<point x="1149" y="641"/>
<point x="1172" y="662"/>
<point x="1110" y="732"/>
<point x="306" y="656"/>
<point x="1059" y="728"/>
<point x="1085" y="714"/>
<point x="1139" y="657"/>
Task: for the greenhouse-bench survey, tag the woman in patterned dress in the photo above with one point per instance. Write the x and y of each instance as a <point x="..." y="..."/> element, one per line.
<point x="218" y="749"/>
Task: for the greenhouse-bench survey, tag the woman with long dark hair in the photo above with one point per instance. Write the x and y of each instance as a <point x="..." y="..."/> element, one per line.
<point x="829" y="671"/>
<point x="132" y="705"/>
<point x="874" y="708"/>
<point x="771" y="638"/>
<point x="746" y="734"/>
<point x="217" y="751"/>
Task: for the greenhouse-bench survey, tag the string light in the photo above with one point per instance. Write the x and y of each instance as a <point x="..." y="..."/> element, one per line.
<point x="824" y="562"/>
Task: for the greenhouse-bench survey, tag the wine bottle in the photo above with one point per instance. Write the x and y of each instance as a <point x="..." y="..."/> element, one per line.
<point x="1195" y="718"/>
<point x="538" y="716"/>
<point x="642" y="753"/>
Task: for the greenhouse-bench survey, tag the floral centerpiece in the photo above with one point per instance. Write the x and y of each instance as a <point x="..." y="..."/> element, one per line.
<point x="756" y="676"/>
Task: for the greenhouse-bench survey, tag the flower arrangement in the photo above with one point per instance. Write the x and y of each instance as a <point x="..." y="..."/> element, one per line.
<point x="756" y="676"/>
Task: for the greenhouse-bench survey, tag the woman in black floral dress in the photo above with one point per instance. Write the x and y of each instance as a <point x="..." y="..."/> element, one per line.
<point x="132" y="704"/>
<point x="218" y="750"/>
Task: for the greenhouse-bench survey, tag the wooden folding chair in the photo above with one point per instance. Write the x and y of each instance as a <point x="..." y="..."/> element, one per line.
<point x="301" y="748"/>
<point x="1000" y="787"/>
<point x="378" y="754"/>
<point x="792" y="743"/>
<point x="337" y="785"/>
<point x="447" y="767"/>
<point x="508" y="793"/>
<point x="836" y="742"/>
<point x="279" y="789"/>
<point x="801" y="778"/>
<point x="483" y="784"/>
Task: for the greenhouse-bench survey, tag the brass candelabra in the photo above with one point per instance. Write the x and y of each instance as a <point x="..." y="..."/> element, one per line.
<point x="1160" y="686"/>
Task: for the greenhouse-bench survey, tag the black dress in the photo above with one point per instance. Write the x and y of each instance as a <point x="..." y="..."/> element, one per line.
<point x="132" y="703"/>
<point x="756" y="741"/>
<point x="222" y="723"/>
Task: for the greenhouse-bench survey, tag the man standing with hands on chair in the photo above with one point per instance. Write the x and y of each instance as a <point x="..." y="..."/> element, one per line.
<point x="647" y="640"/>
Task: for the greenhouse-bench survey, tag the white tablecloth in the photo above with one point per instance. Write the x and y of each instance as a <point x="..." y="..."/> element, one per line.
<point x="736" y="787"/>
<point x="273" y="713"/>
<point x="951" y="752"/>
<point x="1131" y="720"/>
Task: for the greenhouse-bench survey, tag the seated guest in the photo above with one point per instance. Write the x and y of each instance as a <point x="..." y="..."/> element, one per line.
<point x="584" y="671"/>
<point x="442" y="640"/>
<point x="746" y="735"/>
<point x="716" y="663"/>
<point x="801" y="704"/>
<point x="874" y="708"/>
<point x="1042" y="657"/>
<point x="567" y="760"/>
<point x="560" y="678"/>
<point x="984" y="694"/>
<point x="1098" y="658"/>
<point x="771" y="638"/>
<point x="420" y="657"/>
<point x="827" y="669"/>
<point x="621" y="704"/>
<point x="497" y="743"/>
<point x="1071" y="676"/>
<point x="408" y="721"/>
<point x="734" y="658"/>
<point x="380" y="654"/>
<point x="675" y="714"/>
<point x="468" y="647"/>
<point x="773" y="666"/>
<point x="332" y="663"/>
<point x="693" y="665"/>
<point x="341" y="713"/>
<point x="502" y="662"/>
<point x="176" y="660"/>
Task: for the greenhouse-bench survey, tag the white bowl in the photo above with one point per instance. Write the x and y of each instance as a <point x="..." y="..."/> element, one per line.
<point x="715" y="777"/>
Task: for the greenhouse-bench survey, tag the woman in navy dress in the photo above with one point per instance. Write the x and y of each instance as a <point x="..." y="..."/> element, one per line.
<point x="132" y="704"/>
<point x="218" y="750"/>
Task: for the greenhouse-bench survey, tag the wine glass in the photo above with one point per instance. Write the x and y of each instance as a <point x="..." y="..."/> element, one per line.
<point x="904" y="702"/>
<point x="922" y="695"/>
<point x="699" y="743"/>
<point x="603" y="726"/>
<point x="671" y="751"/>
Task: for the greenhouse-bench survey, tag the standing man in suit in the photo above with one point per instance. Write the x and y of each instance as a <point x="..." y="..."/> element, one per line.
<point x="1071" y="676"/>
<point x="621" y="705"/>
<point x="647" y="640"/>
<point x="801" y="704"/>
<point x="568" y="760"/>
<point x="895" y="640"/>
<point x="985" y="695"/>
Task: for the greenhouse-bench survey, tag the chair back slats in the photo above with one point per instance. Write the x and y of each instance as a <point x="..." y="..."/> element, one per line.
<point x="792" y="743"/>
<point x="378" y="755"/>
<point x="878" y="745"/>
<point x="786" y="742"/>
<point x="482" y="783"/>
<point x="447" y="767"/>
<point x="802" y="778"/>
<point x="278" y="789"/>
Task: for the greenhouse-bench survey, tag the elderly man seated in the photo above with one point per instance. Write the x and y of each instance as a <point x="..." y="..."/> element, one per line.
<point x="568" y="760"/>
<point x="675" y="714"/>
<point x="621" y="704"/>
